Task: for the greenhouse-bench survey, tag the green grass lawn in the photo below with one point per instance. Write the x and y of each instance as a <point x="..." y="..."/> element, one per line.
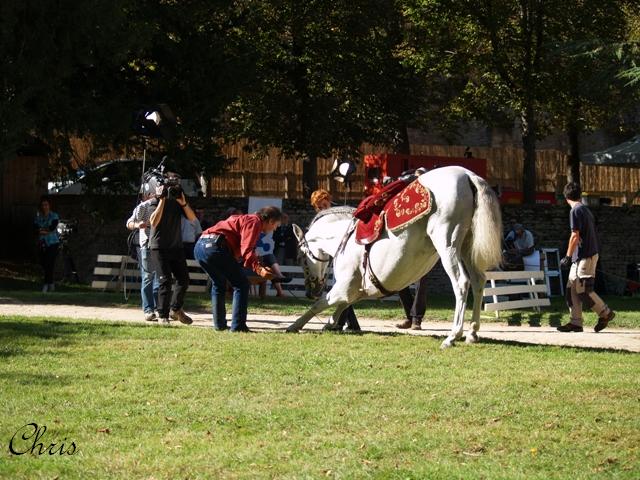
<point x="146" y="402"/>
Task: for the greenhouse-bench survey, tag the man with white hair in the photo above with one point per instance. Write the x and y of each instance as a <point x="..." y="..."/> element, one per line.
<point x="519" y="244"/>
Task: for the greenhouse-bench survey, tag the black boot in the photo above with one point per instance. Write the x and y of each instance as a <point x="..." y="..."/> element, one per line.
<point x="404" y="325"/>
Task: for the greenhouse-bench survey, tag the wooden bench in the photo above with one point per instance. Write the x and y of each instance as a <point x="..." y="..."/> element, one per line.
<point x="526" y="283"/>
<point x="115" y="272"/>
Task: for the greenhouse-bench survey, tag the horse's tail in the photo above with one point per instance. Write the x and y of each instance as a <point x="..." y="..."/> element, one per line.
<point x="486" y="226"/>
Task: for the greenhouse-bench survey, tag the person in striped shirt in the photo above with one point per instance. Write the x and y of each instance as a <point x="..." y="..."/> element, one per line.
<point x="149" y="279"/>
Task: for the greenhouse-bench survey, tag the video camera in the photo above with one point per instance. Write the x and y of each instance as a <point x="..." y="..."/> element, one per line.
<point x="66" y="228"/>
<point x="158" y="183"/>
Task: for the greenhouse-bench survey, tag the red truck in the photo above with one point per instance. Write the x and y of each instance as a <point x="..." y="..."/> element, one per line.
<point x="379" y="166"/>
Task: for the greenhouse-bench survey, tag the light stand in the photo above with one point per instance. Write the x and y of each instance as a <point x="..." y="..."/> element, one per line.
<point x="158" y="122"/>
<point x="341" y="171"/>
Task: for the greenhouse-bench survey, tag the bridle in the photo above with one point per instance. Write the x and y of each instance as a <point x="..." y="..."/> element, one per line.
<point x="303" y="245"/>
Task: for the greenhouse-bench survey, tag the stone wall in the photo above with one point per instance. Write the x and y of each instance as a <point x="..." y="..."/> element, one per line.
<point x="101" y="229"/>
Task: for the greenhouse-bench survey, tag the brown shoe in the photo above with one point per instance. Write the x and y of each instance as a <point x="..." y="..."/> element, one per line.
<point x="569" y="327"/>
<point x="180" y="316"/>
<point x="404" y="325"/>
<point x="604" y="321"/>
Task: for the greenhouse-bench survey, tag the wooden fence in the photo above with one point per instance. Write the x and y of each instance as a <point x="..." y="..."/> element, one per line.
<point x="274" y="175"/>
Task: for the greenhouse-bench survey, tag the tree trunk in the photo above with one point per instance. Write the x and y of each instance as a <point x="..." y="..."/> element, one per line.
<point x="529" y="165"/>
<point x="573" y="162"/>
<point x="403" y="147"/>
<point x="309" y="175"/>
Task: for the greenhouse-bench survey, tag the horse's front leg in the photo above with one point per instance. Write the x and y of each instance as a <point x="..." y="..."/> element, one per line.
<point x="320" y="306"/>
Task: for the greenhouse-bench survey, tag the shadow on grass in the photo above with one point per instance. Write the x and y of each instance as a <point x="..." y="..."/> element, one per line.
<point x="512" y="343"/>
<point x="64" y="333"/>
<point x="515" y="320"/>
<point x="535" y="320"/>
<point x="555" y="319"/>
<point x="31" y="379"/>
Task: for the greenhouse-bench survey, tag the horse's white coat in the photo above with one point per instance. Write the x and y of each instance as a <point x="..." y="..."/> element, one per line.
<point x="464" y="230"/>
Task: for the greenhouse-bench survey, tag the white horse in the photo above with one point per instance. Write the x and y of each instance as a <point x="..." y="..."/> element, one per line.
<point x="464" y="230"/>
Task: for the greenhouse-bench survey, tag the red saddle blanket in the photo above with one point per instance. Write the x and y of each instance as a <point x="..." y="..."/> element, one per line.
<point x="398" y="207"/>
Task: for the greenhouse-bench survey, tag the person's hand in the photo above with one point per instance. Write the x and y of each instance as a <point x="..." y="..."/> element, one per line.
<point x="566" y="262"/>
<point x="160" y="191"/>
<point x="142" y="225"/>
<point x="265" y="272"/>
<point x="181" y="200"/>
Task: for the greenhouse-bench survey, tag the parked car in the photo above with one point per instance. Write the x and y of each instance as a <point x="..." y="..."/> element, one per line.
<point x="113" y="178"/>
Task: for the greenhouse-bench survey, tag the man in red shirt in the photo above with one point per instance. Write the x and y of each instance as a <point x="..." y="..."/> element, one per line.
<point x="223" y="250"/>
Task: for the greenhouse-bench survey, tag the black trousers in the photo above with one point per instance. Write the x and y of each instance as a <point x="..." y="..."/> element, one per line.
<point x="420" y="301"/>
<point x="48" y="257"/>
<point x="349" y="317"/>
<point x="168" y="261"/>
<point x="414" y="307"/>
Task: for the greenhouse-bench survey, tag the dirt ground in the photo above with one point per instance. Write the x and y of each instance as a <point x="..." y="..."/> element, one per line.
<point x="610" y="339"/>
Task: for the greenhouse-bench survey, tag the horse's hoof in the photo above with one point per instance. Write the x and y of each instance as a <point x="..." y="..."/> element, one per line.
<point x="446" y="344"/>
<point x="472" y="338"/>
<point x="331" y="327"/>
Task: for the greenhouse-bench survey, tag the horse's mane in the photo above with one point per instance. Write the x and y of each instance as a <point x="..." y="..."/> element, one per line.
<point x="345" y="211"/>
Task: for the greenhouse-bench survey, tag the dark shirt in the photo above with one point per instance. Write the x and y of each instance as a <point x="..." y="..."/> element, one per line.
<point x="168" y="233"/>
<point x="285" y="239"/>
<point x="241" y="233"/>
<point x="581" y="219"/>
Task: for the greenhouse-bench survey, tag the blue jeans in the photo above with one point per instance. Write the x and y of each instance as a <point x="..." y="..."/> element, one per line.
<point x="148" y="282"/>
<point x="220" y="265"/>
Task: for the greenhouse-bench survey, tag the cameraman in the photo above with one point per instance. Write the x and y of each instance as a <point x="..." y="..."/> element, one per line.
<point x="167" y="252"/>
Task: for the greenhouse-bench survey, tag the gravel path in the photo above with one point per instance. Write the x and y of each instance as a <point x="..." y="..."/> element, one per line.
<point x="611" y="338"/>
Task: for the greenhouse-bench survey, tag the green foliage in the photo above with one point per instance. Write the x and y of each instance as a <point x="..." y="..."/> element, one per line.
<point x="64" y="71"/>
<point x="327" y="77"/>
<point x="83" y="68"/>
<point x="517" y="60"/>
<point x="312" y="78"/>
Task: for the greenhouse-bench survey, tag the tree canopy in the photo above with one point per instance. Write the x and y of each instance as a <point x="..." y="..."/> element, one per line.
<point x="312" y="78"/>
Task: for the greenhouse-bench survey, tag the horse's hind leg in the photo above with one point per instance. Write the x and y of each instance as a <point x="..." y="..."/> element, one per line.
<point x="334" y="324"/>
<point x="478" y="280"/>
<point x="452" y="264"/>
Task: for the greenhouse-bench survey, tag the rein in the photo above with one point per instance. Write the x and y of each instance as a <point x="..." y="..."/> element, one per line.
<point x="341" y="246"/>
<point x="305" y="244"/>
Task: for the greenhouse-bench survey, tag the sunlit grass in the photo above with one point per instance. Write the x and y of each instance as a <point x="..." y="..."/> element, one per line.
<point x="149" y="402"/>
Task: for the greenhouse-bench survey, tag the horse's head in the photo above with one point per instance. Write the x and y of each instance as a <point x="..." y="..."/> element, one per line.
<point x="314" y="262"/>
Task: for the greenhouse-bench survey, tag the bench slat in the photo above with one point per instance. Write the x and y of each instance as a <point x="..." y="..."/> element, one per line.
<point x="540" y="302"/>
<point x="518" y="275"/>
<point x="511" y="289"/>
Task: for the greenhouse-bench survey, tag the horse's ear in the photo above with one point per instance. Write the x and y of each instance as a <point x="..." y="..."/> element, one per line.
<point x="297" y="231"/>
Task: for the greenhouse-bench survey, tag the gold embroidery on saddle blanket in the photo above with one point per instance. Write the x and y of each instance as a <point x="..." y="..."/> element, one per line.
<point x="408" y="206"/>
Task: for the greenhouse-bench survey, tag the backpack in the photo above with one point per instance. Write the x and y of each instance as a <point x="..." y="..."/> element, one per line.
<point x="133" y="243"/>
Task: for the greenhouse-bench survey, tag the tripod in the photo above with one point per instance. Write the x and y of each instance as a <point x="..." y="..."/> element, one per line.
<point x="70" y="274"/>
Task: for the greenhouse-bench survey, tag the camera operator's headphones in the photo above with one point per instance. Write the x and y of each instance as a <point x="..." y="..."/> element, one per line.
<point x="152" y="180"/>
<point x="155" y="178"/>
